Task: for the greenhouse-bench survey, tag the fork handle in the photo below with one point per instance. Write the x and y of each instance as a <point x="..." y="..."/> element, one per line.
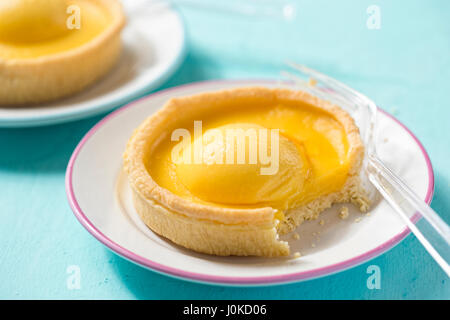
<point x="432" y="232"/>
<point x="284" y="10"/>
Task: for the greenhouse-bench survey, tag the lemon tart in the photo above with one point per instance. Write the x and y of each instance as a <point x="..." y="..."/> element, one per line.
<point x="53" y="48"/>
<point x="227" y="172"/>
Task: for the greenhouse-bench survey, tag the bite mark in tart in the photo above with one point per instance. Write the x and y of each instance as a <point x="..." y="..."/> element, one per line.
<point x="232" y="208"/>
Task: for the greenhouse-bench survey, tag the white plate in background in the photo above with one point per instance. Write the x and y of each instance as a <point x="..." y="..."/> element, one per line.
<point x="154" y="47"/>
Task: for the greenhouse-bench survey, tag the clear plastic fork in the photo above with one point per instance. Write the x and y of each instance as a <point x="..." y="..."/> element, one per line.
<point x="432" y="232"/>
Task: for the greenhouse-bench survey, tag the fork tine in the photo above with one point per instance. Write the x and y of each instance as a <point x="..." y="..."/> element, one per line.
<point x="302" y="84"/>
<point x="332" y="83"/>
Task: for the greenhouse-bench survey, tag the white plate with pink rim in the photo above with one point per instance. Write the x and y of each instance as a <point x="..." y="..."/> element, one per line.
<point x="99" y="196"/>
<point x="154" y="46"/>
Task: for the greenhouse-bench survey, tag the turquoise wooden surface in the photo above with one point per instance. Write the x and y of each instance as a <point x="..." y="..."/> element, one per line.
<point x="404" y="67"/>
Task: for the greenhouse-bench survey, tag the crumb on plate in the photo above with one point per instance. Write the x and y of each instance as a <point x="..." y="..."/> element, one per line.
<point x="343" y="213"/>
<point x="312" y="82"/>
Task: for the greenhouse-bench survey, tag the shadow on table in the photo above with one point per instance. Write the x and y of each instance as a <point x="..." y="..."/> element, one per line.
<point x="41" y="149"/>
<point x="418" y="277"/>
<point x="146" y="284"/>
<point x="441" y="200"/>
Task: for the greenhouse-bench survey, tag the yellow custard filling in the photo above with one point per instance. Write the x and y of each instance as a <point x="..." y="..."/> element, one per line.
<point x="313" y="158"/>
<point x="35" y="28"/>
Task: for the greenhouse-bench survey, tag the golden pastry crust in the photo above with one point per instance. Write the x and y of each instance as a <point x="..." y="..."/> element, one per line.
<point x="34" y="80"/>
<point x="210" y="237"/>
<point x="190" y="224"/>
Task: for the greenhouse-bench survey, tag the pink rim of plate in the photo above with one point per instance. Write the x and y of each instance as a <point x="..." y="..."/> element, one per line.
<point x="197" y="277"/>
